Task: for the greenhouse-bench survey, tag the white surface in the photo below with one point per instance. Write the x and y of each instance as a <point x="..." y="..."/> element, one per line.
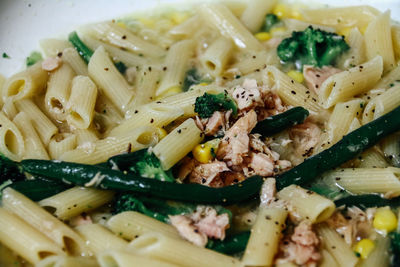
<point x="24" y="22"/>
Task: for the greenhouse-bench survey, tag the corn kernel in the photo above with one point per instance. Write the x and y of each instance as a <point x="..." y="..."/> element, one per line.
<point x="276" y="31"/>
<point x="202" y="153"/>
<point x="364" y="247"/>
<point x="203" y="84"/>
<point x="171" y="91"/>
<point x="385" y="220"/>
<point x="178" y="17"/>
<point x="363" y="29"/>
<point x="121" y="24"/>
<point x="263" y="36"/>
<point x="296" y="75"/>
<point x="161" y="132"/>
<point x="281" y="11"/>
<point x="345" y="32"/>
<point x="147" y="22"/>
<point x="295" y="14"/>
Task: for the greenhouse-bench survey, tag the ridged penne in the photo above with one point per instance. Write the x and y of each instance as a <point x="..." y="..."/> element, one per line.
<point x="220" y="17"/>
<point x="109" y="80"/>
<point x="120" y="37"/>
<point x="43" y="125"/>
<point x="307" y="204"/>
<point x="346" y="84"/>
<point x="367" y="180"/>
<point x="382" y="104"/>
<point x="178" y="143"/>
<point x="265" y="236"/>
<point x="75" y="201"/>
<point x="35" y="215"/>
<point x="58" y="91"/>
<point x="34" y="148"/>
<point x="337" y="247"/>
<point x="121" y="224"/>
<point x="81" y="103"/>
<point x="12" y="142"/>
<point x="178" y="252"/>
<point x="75" y="61"/>
<point x="290" y="91"/>
<point x="24" y="239"/>
<point x="100" y="239"/>
<point x="176" y="63"/>
<point x="27" y="83"/>
<point x="378" y="40"/>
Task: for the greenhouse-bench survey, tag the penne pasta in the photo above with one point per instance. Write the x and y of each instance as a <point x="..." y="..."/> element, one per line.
<point x="75" y="201"/>
<point x="80" y="107"/>
<point x="131" y="224"/>
<point x="344" y="85"/>
<point x="228" y="25"/>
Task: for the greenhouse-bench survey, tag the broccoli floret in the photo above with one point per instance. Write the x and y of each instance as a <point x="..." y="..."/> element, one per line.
<point x="270" y="21"/>
<point x="312" y="47"/>
<point x="149" y="166"/>
<point x="207" y="104"/>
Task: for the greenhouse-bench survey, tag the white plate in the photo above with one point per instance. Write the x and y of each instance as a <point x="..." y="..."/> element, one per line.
<point x="24" y="22"/>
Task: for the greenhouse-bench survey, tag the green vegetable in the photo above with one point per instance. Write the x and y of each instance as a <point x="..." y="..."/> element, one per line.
<point x="39" y="189"/>
<point x="231" y="244"/>
<point x="4" y="185"/>
<point x="142" y="163"/>
<point x="94" y="176"/>
<point x="130" y="202"/>
<point x="157" y="208"/>
<point x="9" y="170"/>
<point x="280" y="122"/>
<point x="312" y="47"/>
<point x="33" y="58"/>
<point x="269" y="22"/>
<point x="85" y="52"/>
<point x="192" y="77"/>
<point x="5" y="55"/>
<point x="121" y="67"/>
<point x="207" y="104"/>
<point x="367" y="201"/>
<point x="347" y="148"/>
<point x="395" y="247"/>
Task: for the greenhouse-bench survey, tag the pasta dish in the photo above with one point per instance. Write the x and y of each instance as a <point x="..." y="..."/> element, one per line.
<point x="250" y="133"/>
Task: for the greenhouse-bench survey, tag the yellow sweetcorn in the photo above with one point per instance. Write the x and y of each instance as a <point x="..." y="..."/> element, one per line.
<point x="385" y="220"/>
<point x="277" y="31"/>
<point x="284" y="11"/>
<point x="203" y="84"/>
<point x="147" y="22"/>
<point x="263" y="36"/>
<point x="281" y="11"/>
<point x="296" y="75"/>
<point x="344" y="31"/>
<point x="121" y="24"/>
<point x="171" y="91"/>
<point x="178" y="17"/>
<point x="204" y="153"/>
<point x="161" y="132"/>
<point x="364" y="247"/>
<point x="295" y="14"/>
